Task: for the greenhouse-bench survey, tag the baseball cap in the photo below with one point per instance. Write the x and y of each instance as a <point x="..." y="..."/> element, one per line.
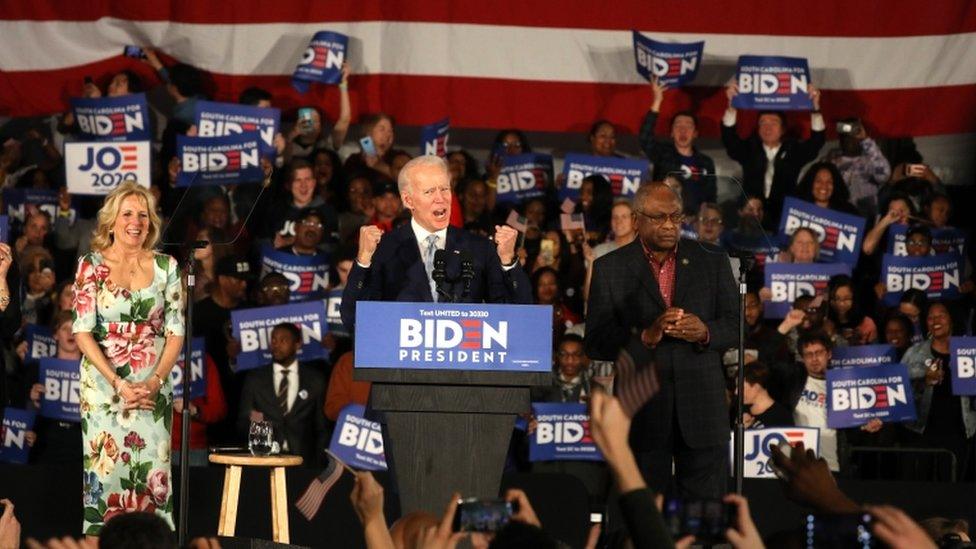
<point x="235" y="266"/>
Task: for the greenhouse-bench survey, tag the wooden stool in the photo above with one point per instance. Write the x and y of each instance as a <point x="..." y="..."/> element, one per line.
<point x="232" y="490"/>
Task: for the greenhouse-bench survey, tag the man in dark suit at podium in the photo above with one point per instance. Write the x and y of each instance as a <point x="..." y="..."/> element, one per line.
<point x="678" y="296"/>
<point x="289" y="395"/>
<point x="403" y="265"/>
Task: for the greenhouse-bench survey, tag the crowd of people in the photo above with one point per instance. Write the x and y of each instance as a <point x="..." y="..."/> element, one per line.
<point x="315" y="202"/>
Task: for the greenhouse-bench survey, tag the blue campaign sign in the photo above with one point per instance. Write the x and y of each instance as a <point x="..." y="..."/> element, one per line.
<point x="962" y="351"/>
<point x="858" y="395"/>
<point x="198" y="371"/>
<point x="18" y="201"/>
<point x="358" y="441"/>
<point x="222" y="119"/>
<point x="40" y="342"/>
<point x="321" y="61"/>
<point x="562" y="433"/>
<point x="13" y="435"/>
<point x="840" y="234"/>
<point x="758" y="452"/>
<point x="625" y="175"/>
<point x="453" y="336"/>
<point x="308" y="275"/>
<point x="4" y="228"/>
<point x="62" y="381"/>
<point x="788" y="281"/>
<point x="124" y="118"/>
<point x="333" y="308"/>
<point x="773" y="82"/>
<point x="939" y="276"/>
<point x="433" y="138"/>
<point x="219" y="160"/>
<point x="863" y="355"/>
<point x="672" y="63"/>
<point x="252" y="328"/>
<point x="944" y="240"/>
<point x="523" y="176"/>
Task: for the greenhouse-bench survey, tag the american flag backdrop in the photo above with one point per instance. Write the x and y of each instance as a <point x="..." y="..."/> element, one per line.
<point x="908" y="68"/>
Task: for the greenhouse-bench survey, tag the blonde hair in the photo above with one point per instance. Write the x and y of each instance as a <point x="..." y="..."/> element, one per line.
<point x="102" y="237"/>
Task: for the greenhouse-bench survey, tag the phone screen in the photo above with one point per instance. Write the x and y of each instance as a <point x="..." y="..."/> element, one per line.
<point x="706" y="519"/>
<point x="482" y="515"/>
<point x="840" y="530"/>
<point x="133" y="51"/>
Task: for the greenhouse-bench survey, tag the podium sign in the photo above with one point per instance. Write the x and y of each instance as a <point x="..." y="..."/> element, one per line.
<point x="453" y="336"/>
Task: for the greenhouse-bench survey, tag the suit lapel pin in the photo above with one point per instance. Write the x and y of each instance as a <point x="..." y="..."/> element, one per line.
<point x="684" y="261"/>
<point x="303" y="394"/>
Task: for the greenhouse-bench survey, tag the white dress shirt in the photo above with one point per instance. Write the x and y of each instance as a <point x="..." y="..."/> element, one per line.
<point x="292" y="381"/>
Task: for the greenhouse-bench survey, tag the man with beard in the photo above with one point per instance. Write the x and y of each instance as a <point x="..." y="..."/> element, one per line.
<point x="678" y="297"/>
<point x="679" y="157"/>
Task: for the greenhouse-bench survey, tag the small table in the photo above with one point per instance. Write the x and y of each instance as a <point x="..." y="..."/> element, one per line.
<point x="232" y="490"/>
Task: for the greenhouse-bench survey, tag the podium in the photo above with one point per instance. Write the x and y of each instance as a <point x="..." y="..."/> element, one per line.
<point x="448" y="422"/>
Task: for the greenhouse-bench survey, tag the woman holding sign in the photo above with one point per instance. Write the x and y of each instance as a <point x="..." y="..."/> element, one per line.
<point x="128" y="321"/>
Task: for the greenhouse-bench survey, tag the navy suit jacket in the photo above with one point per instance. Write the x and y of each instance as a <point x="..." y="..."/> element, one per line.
<point x="625" y="298"/>
<point x="397" y="273"/>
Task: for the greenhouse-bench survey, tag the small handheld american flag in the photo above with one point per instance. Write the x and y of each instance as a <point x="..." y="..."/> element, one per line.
<point x="311" y="500"/>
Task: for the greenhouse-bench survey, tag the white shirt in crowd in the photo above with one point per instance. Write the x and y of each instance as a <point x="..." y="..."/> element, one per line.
<point x="811" y="411"/>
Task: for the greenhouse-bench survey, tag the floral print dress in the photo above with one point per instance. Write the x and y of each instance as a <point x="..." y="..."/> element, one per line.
<point x="126" y="452"/>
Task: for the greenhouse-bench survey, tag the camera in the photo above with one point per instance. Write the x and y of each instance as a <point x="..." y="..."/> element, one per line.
<point x="706" y="519"/>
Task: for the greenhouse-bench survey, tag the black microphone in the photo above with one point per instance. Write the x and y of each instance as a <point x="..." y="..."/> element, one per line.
<point x="467" y="271"/>
<point x="439" y="274"/>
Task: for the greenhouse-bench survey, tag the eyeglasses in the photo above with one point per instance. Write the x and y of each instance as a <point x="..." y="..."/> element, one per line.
<point x="513" y="144"/>
<point x="815" y="354"/>
<point x="660" y="219"/>
<point x="710" y="220"/>
<point x="565" y="354"/>
<point x="917" y="243"/>
<point x="277" y="289"/>
<point x="312" y="224"/>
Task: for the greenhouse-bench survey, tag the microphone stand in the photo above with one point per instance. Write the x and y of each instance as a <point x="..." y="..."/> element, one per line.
<point x="467" y="272"/>
<point x="185" y="382"/>
<point x="745" y="263"/>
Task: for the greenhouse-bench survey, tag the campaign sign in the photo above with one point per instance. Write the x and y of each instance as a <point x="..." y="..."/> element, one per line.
<point x="124" y="118"/>
<point x="4" y="228"/>
<point x="252" y="328"/>
<point x="308" y="275"/>
<point x="20" y="201"/>
<point x="40" y="342"/>
<point x="840" y="234"/>
<point x="98" y="168"/>
<point x="858" y="395"/>
<point x="788" y="281"/>
<point x="962" y="351"/>
<point x="625" y="175"/>
<point x="673" y="64"/>
<point x="223" y="119"/>
<point x="333" y="314"/>
<point x="562" y="433"/>
<point x="772" y="82"/>
<point x="62" y="381"/>
<point x="219" y="160"/>
<point x="321" y="61"/>
<point x="358" y="441"/>
<point x="944" y="240"/>
<point x="863" y="355"/>
<point x="453" y="336"/>
<point x="433" y="138"/>
<point x="13" y="435"/>
<point x="198" y="371"/>
<point x="938" y="276"/>
<point x="523" y="176"/>
<point x="758" y="452"/>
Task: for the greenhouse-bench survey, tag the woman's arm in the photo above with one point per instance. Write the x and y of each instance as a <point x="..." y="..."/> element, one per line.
<point x="341" y="127"/>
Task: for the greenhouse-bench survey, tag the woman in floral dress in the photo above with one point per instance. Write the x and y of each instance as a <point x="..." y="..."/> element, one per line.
<point x="128" y="321"/>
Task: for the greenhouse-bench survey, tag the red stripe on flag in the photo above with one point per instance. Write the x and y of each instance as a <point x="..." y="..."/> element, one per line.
<point x="129" y="167"/>
<point x="470" y="345"/>
<point x="472" y="335"/>
<point x="471" y="323"/>
<point x="825" y="18"/>
<point x="127" y="148"/>
<point x="533" y="105"/>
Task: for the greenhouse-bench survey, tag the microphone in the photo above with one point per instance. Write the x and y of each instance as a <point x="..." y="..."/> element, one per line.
<point x="439" y="274"/>
<point x="467" y="271"/>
